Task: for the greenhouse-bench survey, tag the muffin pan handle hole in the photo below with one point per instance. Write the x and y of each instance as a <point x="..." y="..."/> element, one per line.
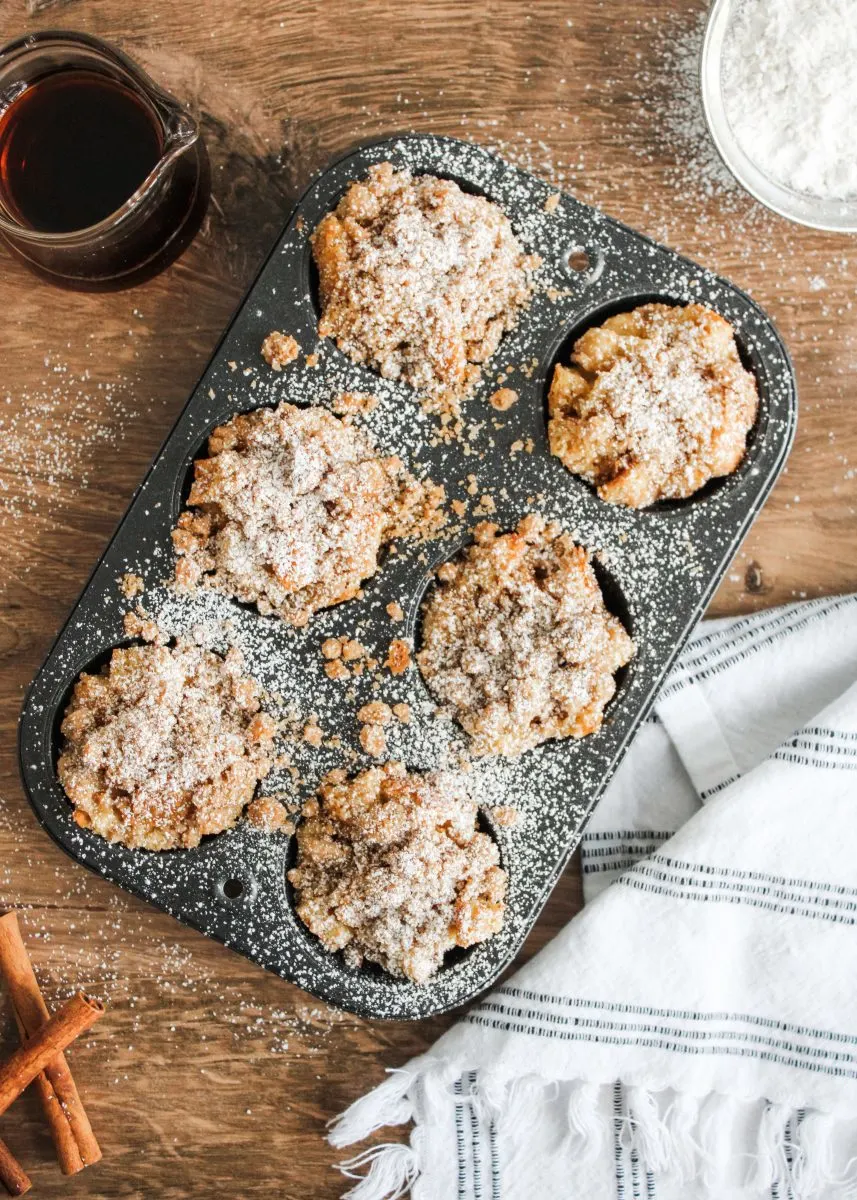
<point x="583" y="264"/>
<point x="235" y="891"/>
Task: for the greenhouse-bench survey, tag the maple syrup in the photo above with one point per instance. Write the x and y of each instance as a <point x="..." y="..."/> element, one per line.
<point x="104" y="178"/>
<point x="74" y="148"/>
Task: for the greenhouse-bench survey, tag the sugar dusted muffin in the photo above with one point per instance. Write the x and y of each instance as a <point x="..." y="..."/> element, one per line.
<point x="517" y="641"/>
<point x="419" y="279"/>
<point x="290" y="509"/>
<point x="655" y="403"/>
<point x="392" y="868"/>
<point x="164" y="746"/>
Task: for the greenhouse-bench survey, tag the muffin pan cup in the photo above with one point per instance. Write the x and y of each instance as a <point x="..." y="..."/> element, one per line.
<point x="658" y="568"/>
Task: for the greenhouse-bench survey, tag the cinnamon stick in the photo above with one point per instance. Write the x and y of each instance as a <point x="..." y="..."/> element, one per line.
<point x="12" y="1176"/>
<point x="75" y="1143"/>
<point x="74" y="1018"/>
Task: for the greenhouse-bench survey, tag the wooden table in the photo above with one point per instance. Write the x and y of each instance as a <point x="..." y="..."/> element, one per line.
<point x="210" y="1077"/>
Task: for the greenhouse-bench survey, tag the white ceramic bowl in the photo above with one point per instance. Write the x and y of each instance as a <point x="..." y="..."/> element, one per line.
<point x="840" y="215"/>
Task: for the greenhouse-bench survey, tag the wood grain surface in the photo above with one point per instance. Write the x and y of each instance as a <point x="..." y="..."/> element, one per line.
<point x="209" y="1077"/>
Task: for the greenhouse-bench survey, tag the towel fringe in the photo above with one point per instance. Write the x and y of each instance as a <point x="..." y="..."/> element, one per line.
<point x="515" y="1115"/>
<point x="650" y="1136"/>
<point x="677" y="1135"/>
<point x="387" y="1104"/>
<point x="717" y="1116"/>
<point x="770" y="1162"/>
<point x="587" y="1125"/>
<point x="682" y="1122"/>
<point x="393" y="1171"/>
<point x="812" y="1170"/>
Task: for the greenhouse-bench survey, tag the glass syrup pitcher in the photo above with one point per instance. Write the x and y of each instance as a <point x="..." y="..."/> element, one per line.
<point x="104" y="177"/>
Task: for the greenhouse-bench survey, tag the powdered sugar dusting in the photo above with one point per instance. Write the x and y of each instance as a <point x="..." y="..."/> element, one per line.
<point x="419" y="279"/>
<point x="552" y="786"/>
<point x="164" y="746"/>
<point x="290" y="509"/>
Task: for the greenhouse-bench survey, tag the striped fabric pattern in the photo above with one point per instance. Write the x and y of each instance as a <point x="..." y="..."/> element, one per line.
<point x="692" y="1034"/>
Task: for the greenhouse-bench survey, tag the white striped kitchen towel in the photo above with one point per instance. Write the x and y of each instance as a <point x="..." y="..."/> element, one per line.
<point x="693" y="1032"/>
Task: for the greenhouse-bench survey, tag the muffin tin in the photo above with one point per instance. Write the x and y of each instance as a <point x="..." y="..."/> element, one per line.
<point x="657" y="567"/>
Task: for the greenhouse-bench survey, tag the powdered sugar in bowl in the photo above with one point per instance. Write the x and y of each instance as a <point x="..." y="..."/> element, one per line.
<point x="779" y="90"/>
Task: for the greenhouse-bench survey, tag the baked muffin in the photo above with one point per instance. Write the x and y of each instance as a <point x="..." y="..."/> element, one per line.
<point x="164" y="746"/>
<point x="517" y="642"/>
<point x="654" y="404"/>
<point x="391" y="868"/>
<point x="419" y="279"/>
<point x="290" y="509"/>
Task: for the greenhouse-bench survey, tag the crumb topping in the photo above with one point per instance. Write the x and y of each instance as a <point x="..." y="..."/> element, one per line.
<point x="352" y="404"/>
<point x="655" y="403"/>
<point x="270" y="815"/>
<point x="391" y="868"/>
<point x="279" y="349"/>
<point x="291" y="508"/>
<point x="131" y="585"/>
<point x="373" y="740"/>
<point x="517" y="639"/>
<point x="503" y="399"/>
<point x="398" y="657"/>
<point x="419" y="279"/>
<point x="164" y="746"/>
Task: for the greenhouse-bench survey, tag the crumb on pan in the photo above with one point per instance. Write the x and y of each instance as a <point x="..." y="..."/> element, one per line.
<point x="350" y="404"/>
<point x="376" y="712"/>
<point x="131" y="585"/>
<point x="398" y="657"/>
<point x="503" y="399"/>
<point x="505" y="815"/>
<point x="373" y="740"/>
<point x="279" y="349"/>
<point x="313" y="734"/>
<point x="140" y="624"/>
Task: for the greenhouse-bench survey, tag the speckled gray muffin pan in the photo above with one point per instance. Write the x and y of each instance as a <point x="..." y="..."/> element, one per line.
<point x="658" y="568"/>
